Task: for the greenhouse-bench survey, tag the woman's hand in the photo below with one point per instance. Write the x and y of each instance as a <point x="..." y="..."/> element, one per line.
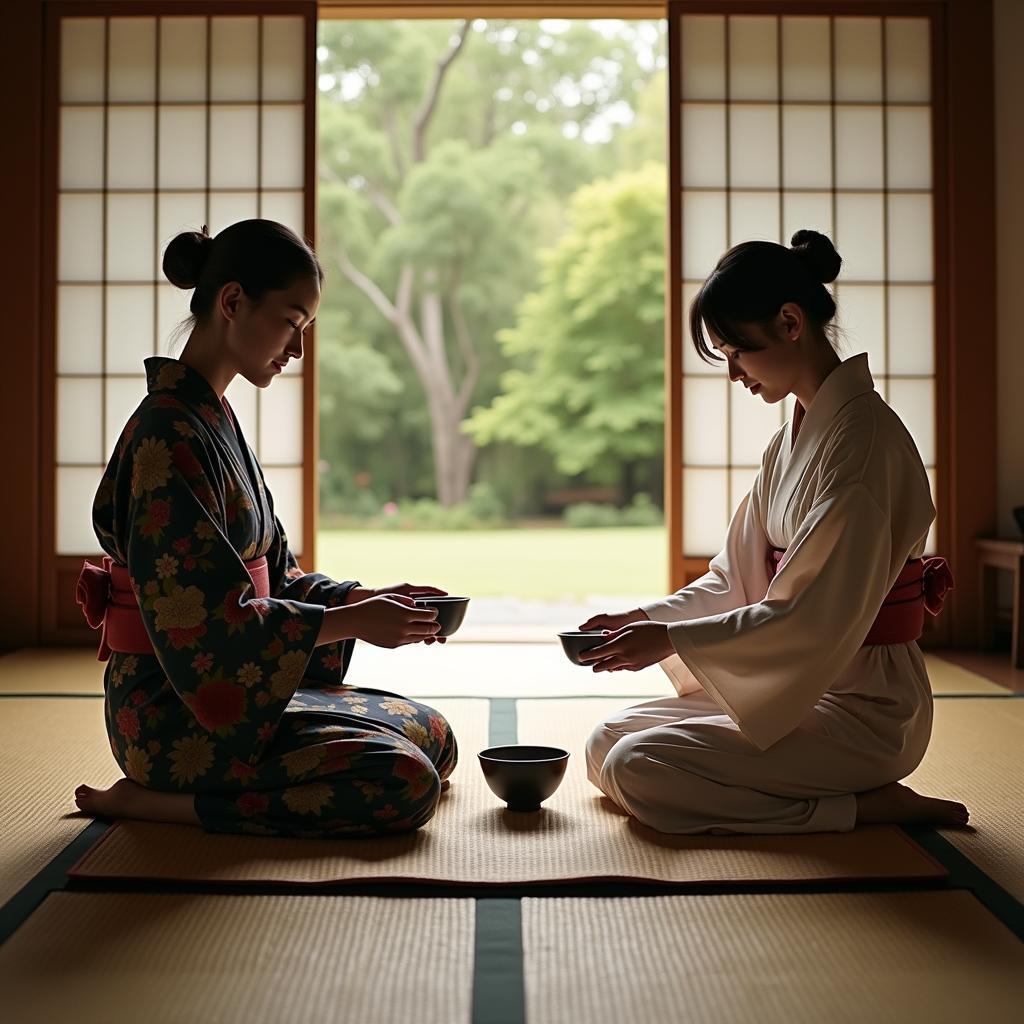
<point x="357" y="594"/>
<point x="414" y="590"/>
<point x="392" y="620"/>
<point x="633" y="647"/>
<point x="613" y="620"/>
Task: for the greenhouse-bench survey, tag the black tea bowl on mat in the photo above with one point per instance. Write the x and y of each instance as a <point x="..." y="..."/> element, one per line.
<point x="450" y="611"/>
<point x="523" y="776"/>
<point x="575" y="643"/>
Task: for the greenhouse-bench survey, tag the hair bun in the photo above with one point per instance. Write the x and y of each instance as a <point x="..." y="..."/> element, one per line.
<point x="185" y="256"/>
<point x="817" y="253"/>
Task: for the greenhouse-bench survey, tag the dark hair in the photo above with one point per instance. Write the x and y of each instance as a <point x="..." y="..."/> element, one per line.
<point x="752" y="282"/>
<point x="261" y="255"/>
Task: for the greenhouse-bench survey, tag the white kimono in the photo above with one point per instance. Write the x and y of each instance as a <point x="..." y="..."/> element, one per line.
<point x="782" y="714"/>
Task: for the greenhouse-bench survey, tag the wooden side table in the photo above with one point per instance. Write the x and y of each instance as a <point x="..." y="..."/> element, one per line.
<point x="994" y="555"/>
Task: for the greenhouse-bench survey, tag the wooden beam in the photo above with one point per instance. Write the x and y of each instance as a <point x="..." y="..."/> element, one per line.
<point x="21" y="81"/>
<point x="968" y="399"/>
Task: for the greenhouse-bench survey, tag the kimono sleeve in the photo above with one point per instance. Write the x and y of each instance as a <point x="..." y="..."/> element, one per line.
<point x="234" y="659"/>
<point x="329" y="663"/>
<point x="768" y="663"/>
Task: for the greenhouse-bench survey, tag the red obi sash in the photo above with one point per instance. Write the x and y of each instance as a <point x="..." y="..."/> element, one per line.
<point x="107" y="599"/>
<point x="921" y="585"/>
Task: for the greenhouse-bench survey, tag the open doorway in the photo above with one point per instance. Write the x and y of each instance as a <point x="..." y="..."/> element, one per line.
<point x="492" y="219"/>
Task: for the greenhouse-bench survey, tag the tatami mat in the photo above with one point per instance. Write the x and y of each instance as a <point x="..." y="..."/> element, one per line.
<point x="948" y="679"/>
<point x="47" y="748"/>
<point x="975" y="756"/>
<point x="452" y="670"/>
<point x="473" y="839"/>
<point x="51" y="670"/>
<point x="606" y="841"/>
<point x="853" y="957"/>
<point x="97" y="958"/>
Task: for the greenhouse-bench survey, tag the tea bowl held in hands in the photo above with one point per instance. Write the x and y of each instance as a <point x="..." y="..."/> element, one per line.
<point x="450" y="611"/>
<point x="523" y="776"/>
<point x="574" y="643"/>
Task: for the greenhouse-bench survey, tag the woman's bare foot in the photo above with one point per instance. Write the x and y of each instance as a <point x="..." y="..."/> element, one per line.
<point x="127" y="799"/>
<point x="900" y="805"/>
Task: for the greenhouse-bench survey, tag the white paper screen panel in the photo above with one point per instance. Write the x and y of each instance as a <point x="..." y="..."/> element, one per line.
<point x="182" y="147"/>
<point x="182" y="70"/>
<point x="282" y="150"/>
<point x="806" y="68"/>
<point x="165" y="124"/>
<point x="79" y="329"/>
<point x="130" y="236"/>
<point x="131" y="66"/>
<point x="703" y="144"/>
<point x="754" y="146"/>
<point x="283" y="42"/>
<point x="807" y="153"/>
<point x="753" y="215"/>
<point x="81" y="147"/>
<point x="805" y="122"/>
<point x="705" y="508"/>
<point x="78" y="429"/>
<point x="859" y="150"/>
<point x="285" y="483"/>
<point x="234" y="67"/>
<point x="753" y="65"/>
<point x="234" y="146"/>
<point x="129" y="164"/>
<point x="130" y="312"/>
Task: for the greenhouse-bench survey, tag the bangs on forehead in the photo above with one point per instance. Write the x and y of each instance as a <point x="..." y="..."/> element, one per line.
<point x="704" y="312"/>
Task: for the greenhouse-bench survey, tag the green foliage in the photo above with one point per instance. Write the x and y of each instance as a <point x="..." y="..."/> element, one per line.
<point x="642" y="512"/>
<point x="586" y="515"/>
<point x="484" y="504"/>
<point x="591" y="515"/>
<point x="588" y="347"/>
<point x="482" y="510"/>
<point x="505" y="151"/>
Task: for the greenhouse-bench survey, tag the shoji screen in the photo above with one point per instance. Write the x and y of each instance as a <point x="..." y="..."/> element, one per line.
<point x="164" y="124"/>
<point x="783" y="123"/>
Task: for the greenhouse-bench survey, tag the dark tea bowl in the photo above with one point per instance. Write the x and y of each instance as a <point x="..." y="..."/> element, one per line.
<point x="450" y="611"/>
<point x="523" y="776"/>
<point x="575" y="643"/>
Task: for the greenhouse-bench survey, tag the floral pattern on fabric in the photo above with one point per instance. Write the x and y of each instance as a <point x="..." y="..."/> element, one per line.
<point x="237" y="704"/>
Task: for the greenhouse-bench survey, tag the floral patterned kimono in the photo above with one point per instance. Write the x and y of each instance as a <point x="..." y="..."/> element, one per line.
<point x="237" y="705"/>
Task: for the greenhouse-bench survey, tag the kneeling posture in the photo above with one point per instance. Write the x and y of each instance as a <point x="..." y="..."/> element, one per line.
<point x="803" y="696"/>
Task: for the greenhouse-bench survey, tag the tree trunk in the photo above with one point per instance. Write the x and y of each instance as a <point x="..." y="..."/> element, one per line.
<point x="454" y="453"/>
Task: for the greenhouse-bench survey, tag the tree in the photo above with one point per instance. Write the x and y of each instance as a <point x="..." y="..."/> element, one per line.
<point x="588" y="348"/>
<point x="446" y="152"/>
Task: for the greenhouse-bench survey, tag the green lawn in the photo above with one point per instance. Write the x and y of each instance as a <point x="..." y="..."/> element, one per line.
<point x="543" y="564"/>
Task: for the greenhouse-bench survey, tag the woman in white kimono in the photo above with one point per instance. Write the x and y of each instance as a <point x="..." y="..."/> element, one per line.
<point x="801" y="699"/>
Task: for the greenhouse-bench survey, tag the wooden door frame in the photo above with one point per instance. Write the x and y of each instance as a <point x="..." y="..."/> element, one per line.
<point x="965" y="381"/>
<point x="59" y="620"/>
<point x="963" y="147"/>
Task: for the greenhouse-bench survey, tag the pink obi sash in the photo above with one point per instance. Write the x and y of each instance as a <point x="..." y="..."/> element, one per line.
<point x="921" y="585"/>
<point x="107" y="599"/>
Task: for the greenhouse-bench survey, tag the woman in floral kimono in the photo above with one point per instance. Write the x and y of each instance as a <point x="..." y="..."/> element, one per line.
<point x="802" y="693"/>
<point x="225" y="702"/>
